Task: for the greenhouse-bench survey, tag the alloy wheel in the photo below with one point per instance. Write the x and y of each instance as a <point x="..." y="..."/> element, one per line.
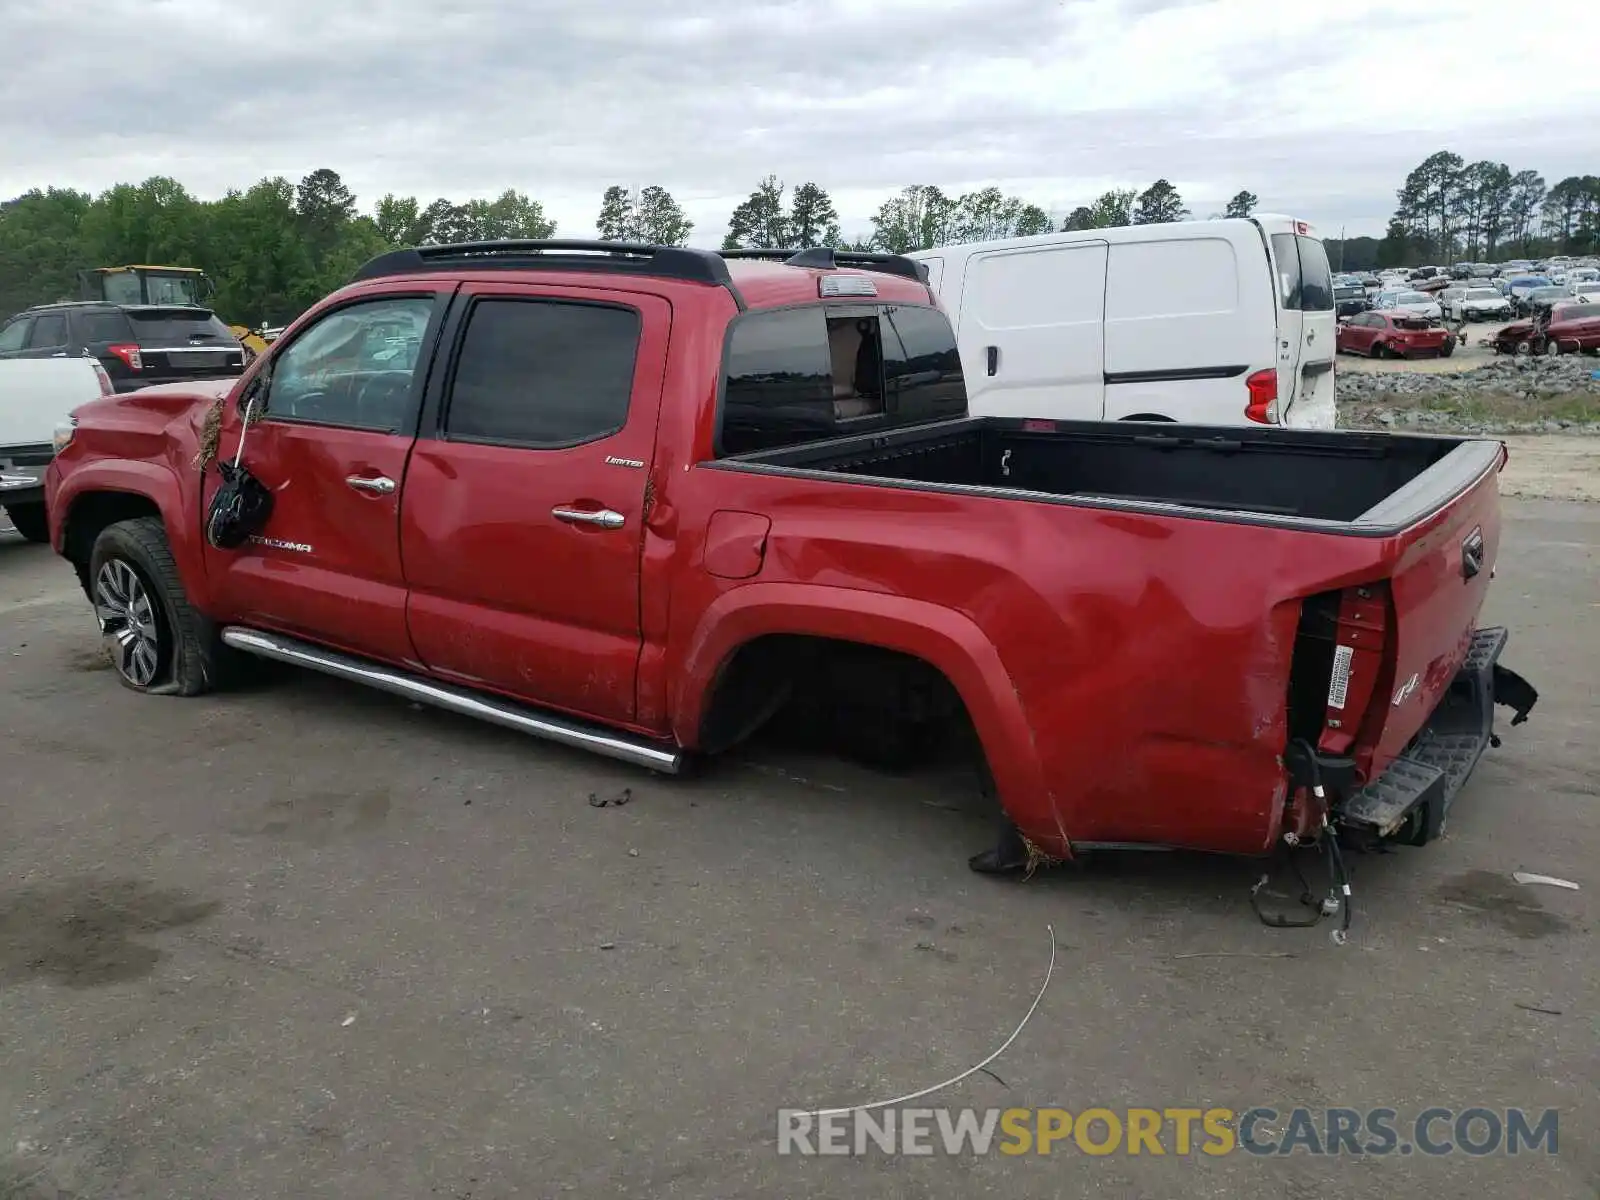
<point x="128" y="622"/>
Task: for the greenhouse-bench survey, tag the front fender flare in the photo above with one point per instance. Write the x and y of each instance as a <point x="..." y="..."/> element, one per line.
<point x="152" y="481"/>
<point x="942" y="637"/>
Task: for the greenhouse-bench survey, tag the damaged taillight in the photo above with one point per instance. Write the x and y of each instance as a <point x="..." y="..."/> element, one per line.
<point x="1360" y="637"/>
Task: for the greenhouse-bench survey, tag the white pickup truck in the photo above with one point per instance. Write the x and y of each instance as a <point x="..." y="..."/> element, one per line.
<point x="37" y="395"/>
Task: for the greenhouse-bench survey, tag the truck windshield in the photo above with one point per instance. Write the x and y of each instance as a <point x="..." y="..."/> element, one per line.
<point x="172" y="289"/>
<point x="145" y="287"/>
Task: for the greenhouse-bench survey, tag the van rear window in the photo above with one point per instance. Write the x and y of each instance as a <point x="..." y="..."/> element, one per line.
<point x="1305" y="280"/>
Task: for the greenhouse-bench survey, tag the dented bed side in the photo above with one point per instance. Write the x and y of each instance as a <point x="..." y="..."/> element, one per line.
<point x="1149" y="648"/>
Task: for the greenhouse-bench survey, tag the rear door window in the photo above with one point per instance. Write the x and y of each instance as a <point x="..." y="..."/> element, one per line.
<point x="100" y="327"/>
<point x="543" y="374"/>
<point x="49" y="331"/>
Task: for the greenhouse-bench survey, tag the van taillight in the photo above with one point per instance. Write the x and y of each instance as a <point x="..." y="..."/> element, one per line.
<point x="1263" y="389"/>
<point x="107" y="388"/>
<point x="128" y="352"/>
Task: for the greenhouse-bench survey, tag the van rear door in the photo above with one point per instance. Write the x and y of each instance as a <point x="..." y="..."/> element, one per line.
<point x="1030" y="331"/>
<point x="1306" y="328"/>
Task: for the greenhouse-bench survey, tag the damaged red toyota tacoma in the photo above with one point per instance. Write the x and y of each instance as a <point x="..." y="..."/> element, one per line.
<point x="642" y="499"/>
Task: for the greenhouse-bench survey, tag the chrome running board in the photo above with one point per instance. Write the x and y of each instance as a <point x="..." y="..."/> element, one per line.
<point x="565" y="730"/>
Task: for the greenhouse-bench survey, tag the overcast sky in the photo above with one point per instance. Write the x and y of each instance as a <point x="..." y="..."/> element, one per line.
<point x="1320" y="108"/>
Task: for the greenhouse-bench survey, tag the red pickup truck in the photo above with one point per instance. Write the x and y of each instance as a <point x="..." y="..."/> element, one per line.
<point x="642" y="499"/>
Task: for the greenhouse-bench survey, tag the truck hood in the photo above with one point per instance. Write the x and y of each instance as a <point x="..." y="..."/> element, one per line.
<point x="154" y="407"/>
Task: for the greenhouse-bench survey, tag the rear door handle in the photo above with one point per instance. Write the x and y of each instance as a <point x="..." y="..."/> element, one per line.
<point x="603" y="517"/>
<point x="382" y="485"/>
<point x="994" y="359"/>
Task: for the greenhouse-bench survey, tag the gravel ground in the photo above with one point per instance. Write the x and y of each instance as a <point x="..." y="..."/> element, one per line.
<point x="1473" y="391"/>
<point x="306" y="940"/>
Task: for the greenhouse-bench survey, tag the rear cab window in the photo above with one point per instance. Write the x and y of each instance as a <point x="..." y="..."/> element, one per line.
<point x="803" y="374"/>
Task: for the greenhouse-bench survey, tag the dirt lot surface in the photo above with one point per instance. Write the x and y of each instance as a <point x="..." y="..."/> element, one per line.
<point x="1552" y="468"/>
<point x="306" y="940"/>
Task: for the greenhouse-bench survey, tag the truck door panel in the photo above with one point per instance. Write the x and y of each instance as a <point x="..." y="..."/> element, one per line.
<point x="522" y="517"/>
<point x="331" y="443"/>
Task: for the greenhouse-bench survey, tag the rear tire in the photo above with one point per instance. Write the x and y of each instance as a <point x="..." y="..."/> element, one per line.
<point x="157" y="641"/>
<point x="31" y="521"/>
<point x="1552" y="348"/>
<point x="1449" y="348"/>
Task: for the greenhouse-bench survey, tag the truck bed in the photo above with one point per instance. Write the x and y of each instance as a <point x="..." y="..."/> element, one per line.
<point x="1370" y="483"/>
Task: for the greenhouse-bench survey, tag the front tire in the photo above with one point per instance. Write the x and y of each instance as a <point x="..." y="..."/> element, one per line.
<point x="157" y="641"/>
<point x="1524" y="348"/>
<point x="1449" y="348"/>
<point x="30" y="521"/>
<point x="1552" y="348"/>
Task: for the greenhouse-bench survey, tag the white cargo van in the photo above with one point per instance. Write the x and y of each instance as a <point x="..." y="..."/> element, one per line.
<point x="1203" y="322"/>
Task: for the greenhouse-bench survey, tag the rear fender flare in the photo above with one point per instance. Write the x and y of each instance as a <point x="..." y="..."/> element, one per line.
<point x="941" y="637"/>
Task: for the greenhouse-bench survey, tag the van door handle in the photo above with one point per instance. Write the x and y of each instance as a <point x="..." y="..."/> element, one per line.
<point x="604" y="517"/>
<point x="994" y="359"/>
<point x="381" y="485"/>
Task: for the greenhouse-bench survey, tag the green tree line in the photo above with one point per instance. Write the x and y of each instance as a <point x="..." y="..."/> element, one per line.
<point x="275" y="248"/>
<point x="1450" y="210"/>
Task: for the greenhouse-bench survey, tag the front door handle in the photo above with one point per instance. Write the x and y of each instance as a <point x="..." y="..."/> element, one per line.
<point x="382" y="485"/>
<point x="603" y="517"/>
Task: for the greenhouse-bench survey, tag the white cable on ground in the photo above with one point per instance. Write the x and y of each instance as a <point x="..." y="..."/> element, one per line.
<point x="1004" y="1046"/>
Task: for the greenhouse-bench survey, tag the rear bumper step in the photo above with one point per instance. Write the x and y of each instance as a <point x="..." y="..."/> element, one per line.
<point x="565" y="730"/>
<point x="1420" y="785"/>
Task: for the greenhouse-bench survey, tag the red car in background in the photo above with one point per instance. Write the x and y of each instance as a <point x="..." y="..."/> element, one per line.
<point x="1571" y="327"/>
<point x="1393" y="335"/>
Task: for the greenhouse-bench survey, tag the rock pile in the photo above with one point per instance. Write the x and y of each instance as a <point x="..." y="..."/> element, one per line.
<point x="1502" y="396"/>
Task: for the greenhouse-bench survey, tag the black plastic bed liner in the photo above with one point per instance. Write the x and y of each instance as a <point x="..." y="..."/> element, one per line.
<point x="1422" y="783"/>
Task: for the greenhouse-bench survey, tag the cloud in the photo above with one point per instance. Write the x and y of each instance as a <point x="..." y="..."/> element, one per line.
<point x="1320" y="110"/>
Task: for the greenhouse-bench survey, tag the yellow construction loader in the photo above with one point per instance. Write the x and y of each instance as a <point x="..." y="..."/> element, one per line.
<point x="163" y="285"/>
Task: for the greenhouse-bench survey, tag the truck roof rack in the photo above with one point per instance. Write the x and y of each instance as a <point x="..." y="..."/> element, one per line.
<point x="522" y="254"/>
<point x="825" y="258"/>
